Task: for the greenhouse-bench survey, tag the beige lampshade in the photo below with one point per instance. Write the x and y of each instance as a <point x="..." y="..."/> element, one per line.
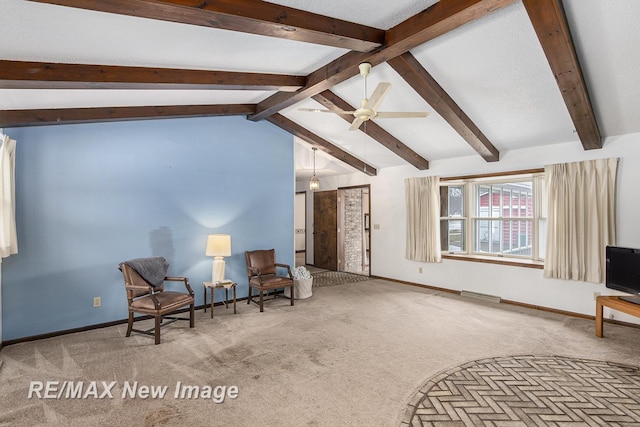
<point x="218" y="245"/>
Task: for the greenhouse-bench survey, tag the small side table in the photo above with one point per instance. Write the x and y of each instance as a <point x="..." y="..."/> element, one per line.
<point x="226" y="284"/>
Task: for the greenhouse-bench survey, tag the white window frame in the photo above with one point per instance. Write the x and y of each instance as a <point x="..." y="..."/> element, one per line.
<point x="470" y="219"/>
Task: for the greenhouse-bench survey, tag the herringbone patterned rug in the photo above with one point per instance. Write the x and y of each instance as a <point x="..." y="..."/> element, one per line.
<point x="529" y="391"/>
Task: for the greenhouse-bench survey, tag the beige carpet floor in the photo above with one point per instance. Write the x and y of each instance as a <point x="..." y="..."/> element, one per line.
<point x="351" y="355"/>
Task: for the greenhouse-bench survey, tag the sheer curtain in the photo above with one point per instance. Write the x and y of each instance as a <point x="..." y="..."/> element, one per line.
<point x="422" y="196"/>
<point x="8" y="240"/>
<point x="581" y="218"/>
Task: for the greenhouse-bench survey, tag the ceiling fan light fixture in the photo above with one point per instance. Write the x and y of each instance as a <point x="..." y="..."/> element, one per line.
<point x="369" y="104"/>
<point x="314" y="182"/>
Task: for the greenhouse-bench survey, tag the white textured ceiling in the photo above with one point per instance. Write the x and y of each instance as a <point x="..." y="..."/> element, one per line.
<point x="494" y="68"/>
<point x="377" y="13"/>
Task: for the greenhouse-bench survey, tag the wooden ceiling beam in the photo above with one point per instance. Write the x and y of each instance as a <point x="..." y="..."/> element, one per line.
<point x="43" y="75"/>
<point x="321" y="144"/>
<point x="426" y="86"/>
<point x="442" y="17"/>
<point x="550" y="23"/>
<point x="62" y="116"/>
<point x="247" y="16"/>
<point x="332" y="101"/>
<point x="439" y="19"/>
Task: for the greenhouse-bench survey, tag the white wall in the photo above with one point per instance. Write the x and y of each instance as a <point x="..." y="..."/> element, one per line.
<point x="0" y="303"/>
<point x="520" y="284"/>
<point x="304" y="186"/>
<point x="299" y="220"/>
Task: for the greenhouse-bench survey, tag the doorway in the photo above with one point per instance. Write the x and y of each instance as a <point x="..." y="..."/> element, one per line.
<point x="354" y="235"/>
<point x="325" y="226"/>
<point x="300" y="227"/>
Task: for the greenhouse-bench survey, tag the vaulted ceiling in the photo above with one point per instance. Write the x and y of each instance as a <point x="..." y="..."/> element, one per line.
<point x="495" y="75"/>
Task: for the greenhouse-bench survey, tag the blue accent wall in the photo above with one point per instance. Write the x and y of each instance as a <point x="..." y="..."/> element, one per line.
<point x="92" y="195"/>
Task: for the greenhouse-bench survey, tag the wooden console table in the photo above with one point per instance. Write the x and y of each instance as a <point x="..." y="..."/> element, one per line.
<point x="615" y="303"/>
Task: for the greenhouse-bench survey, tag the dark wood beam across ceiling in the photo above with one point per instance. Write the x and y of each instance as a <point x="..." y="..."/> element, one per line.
<point x="435" y="21"/>
<point x="430" y="23"/>
<point x="426" y="86"/>
<point x="320" y="143"/>
<point x="247" y="16"/>
<point x="367" y="44"/>
<point x="43" y="75"/>
<point x="332" y="101"/>
<point x="550" y="23"/>
<point x="61" y="116"/>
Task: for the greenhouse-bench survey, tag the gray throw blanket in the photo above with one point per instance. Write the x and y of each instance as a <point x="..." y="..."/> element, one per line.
<point x="152" y="269"/>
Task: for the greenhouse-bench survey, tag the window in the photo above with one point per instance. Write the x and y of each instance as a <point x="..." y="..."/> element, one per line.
<point x="452" y="221"/>
<point x="496" y="216"/>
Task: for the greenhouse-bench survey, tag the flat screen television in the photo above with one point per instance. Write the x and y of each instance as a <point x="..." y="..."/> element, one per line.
<point x="623" y="269"/>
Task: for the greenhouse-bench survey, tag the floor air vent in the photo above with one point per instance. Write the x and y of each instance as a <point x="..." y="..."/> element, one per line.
<point x="483" y="297"/>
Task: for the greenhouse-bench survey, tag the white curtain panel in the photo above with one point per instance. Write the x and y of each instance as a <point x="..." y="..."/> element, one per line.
<point x="580" y="219"/>
<point x="422" y="196"/>
<point x="8" y="239"/>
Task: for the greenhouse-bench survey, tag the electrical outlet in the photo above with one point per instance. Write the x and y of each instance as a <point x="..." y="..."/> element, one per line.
<point x="97" y="301"/>
<point x="419" y="269"/>
<point x="596" y="295"/>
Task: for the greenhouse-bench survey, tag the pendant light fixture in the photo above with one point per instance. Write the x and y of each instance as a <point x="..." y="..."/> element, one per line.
<point x="314" y="183"/>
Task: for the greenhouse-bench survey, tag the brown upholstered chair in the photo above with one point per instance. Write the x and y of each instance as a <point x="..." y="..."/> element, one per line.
<point x="262" y="270"/>
<point x="146" y="295"/>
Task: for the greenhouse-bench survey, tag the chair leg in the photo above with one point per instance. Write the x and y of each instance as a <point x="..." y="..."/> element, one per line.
<point x="191" y="319"/>
<point x="130" y="325"/>
<point x="249" y="297"/>
<point x="292" y="298"/>
<point x="157" y="329"/>
<point x="261" y="301"/>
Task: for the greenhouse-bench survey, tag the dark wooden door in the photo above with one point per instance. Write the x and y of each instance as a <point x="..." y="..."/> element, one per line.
<point x="325" y="229"/>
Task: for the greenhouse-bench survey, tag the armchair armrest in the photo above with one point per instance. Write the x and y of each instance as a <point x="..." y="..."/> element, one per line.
<point x="180" y="279"/>
<point x="287" y="266"/>
<point x="156" y="303"/>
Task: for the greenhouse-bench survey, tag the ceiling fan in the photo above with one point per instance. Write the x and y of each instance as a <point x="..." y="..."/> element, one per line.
<point x="369" y="106"/>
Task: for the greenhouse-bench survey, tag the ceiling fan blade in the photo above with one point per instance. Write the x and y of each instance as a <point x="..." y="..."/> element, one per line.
<point x="356" y="123"/>
<point x="400" y="115"/>
<point x="378" y="96"/>
<point x="319" y="110"/>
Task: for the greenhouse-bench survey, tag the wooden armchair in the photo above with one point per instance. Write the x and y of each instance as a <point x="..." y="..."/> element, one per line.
<point x="144" y="285"/>
<point x="262" y="271"/>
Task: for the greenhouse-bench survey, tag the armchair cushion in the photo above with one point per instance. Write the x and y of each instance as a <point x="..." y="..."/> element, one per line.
<point x="167" y="300"/>
<point x="269" y="281"/>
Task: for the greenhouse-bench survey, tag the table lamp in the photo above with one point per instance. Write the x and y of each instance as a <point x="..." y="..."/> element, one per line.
<point x="218" y="246"/>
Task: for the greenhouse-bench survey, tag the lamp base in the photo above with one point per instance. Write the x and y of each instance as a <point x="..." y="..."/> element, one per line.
<point x="217" y="270"/>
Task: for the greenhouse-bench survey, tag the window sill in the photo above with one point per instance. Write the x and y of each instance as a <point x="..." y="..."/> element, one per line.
<point x="514" y="262"/>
